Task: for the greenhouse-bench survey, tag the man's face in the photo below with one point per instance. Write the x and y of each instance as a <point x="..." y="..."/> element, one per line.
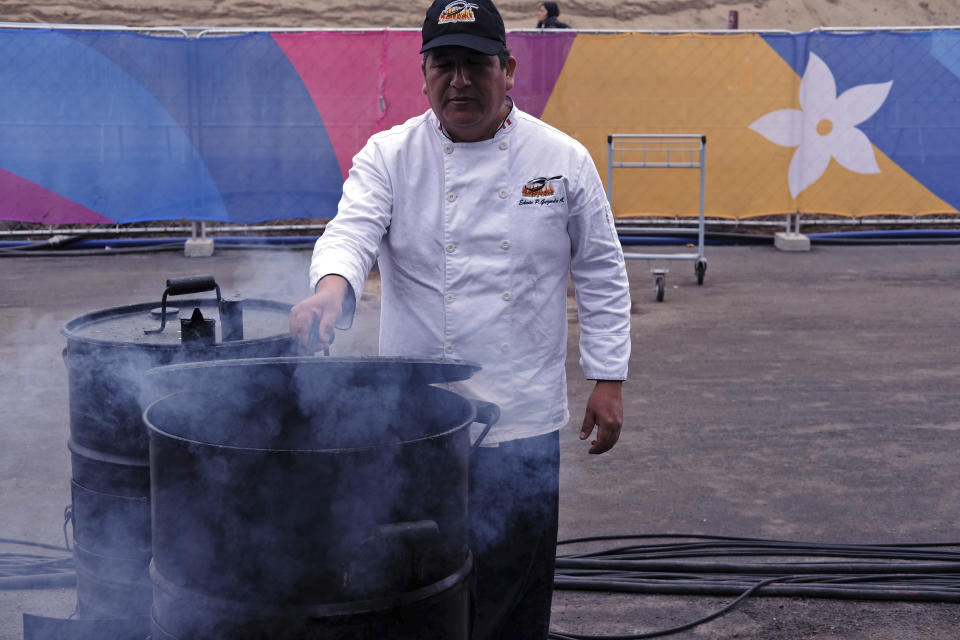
<point x="467" y="90"/>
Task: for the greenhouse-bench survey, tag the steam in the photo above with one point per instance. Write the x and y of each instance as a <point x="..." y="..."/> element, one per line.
<point x="34" y="462"/>
<point x="309" y="493"/>
<point x="282" y="275"/>
<point x="312" y="488"/>
<point x="308" y="479"/>
<point x="269" y="274"/>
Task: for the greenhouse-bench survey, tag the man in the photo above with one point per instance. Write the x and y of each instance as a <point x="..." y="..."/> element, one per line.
<point x="477" y="213"/>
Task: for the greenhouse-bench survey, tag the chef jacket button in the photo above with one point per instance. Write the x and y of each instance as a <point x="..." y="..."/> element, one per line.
<point x="504" y="347"/>
<point x="448" y="148"/>
<point x="448" y="348"/>
<point x="504" y="145"/>
<point x="450" y="297"/>
<point x="505" y="245"/>
<point x="451" y="248"/>
<point x="451" y="197"/>
<point x="506" y="295"/>
<point x="503" y="193"/>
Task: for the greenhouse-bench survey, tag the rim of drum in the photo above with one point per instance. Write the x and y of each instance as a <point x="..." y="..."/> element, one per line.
<point x="70" y="328"/>
<point x="156" y="431"/>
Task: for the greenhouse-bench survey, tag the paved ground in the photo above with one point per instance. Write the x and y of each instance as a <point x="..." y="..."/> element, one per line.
<point x="807" y="396"/>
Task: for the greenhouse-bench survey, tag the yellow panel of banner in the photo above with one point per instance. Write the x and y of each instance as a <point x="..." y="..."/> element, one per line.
<point x="718" y="86"/>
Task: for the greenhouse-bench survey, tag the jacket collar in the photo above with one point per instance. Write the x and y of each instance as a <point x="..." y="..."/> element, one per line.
<point x="505" y="127"/>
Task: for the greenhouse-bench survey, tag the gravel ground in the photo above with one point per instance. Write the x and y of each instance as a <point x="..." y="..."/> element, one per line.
<point x="808" y="396"/>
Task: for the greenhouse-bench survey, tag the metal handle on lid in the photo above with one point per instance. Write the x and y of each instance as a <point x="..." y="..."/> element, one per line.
<point x="182" y="286"/>
<point x="191" y="284"/>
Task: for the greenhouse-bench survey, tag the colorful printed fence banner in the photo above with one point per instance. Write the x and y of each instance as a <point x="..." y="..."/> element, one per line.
<point x="118" y="127"/>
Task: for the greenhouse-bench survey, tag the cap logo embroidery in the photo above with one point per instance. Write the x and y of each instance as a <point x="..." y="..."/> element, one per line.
<point x="458" y="11"/>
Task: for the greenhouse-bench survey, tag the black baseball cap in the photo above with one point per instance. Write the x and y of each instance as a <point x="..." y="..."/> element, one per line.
<point x="475" y="24"/>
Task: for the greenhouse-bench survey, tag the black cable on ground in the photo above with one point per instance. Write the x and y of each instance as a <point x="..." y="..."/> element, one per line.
<point x="27" y="543"/>
<point x="561" y="635"/>
<point x="926" y="572"/>
<point x="31" y="571"/>
<point x="63" y="580"/>
<point x="678" y="564"/>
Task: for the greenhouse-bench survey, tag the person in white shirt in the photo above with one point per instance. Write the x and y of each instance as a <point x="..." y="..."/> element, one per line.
<point x="476" y="214"/>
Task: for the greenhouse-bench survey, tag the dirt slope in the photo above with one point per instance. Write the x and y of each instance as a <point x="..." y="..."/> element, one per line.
<point x="794" y="15"/>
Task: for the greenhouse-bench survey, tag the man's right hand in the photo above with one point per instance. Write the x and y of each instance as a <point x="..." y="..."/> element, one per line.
<point x="312" y="320"/>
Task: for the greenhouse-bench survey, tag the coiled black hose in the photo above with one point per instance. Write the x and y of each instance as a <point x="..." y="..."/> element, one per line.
<point x="32" y="571"/>
<point x="679" y="564"/>
<point x="674" y="564"/>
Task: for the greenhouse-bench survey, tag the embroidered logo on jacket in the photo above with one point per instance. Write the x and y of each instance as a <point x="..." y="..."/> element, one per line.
<point x="539" y="187"/>
<point x="458" y="11"/>
<point x="539" y="191"/>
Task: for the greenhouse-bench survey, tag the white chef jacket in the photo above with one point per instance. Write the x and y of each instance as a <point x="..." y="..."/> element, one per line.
<point x="475" y="242"/>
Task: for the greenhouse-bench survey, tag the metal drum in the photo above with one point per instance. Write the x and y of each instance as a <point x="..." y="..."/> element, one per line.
<point x="312" y="498"/>
<point x="107" y="354"/>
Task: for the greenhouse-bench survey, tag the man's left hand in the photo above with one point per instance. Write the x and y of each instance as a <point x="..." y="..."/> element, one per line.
<point x="605" y="411"/>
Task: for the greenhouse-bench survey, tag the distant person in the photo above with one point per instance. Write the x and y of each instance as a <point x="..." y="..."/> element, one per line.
<point x="548" y="16"/>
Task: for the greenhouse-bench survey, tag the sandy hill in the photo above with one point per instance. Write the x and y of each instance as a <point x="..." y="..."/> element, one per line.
<point x="793" y="15"/>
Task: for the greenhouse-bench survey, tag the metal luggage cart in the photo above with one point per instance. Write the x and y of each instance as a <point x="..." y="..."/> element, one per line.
<point x="664" y="151"/>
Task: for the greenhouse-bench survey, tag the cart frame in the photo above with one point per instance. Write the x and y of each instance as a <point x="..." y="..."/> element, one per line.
<point x="669" y="151"/>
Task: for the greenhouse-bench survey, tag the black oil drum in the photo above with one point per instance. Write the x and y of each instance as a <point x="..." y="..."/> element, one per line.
<point x="107" y="354"/>
<point x="312" y="498"/>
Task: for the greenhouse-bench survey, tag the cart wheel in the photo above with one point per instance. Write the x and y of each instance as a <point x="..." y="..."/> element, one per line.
<point x="700" y="268"/>
<point x="659" y="284"/>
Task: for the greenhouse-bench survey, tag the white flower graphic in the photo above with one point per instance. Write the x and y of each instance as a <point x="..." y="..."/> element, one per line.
<point x="825" y="127"/>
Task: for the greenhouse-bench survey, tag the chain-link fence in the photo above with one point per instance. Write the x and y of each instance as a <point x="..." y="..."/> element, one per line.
<point x="107" y="126"/>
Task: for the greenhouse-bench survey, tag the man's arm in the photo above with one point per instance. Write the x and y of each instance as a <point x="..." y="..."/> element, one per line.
<point x="603" y="298"/>
<point x="312" y="320"/>
<point x="345" y="253"/>
<point x="605" y="411"/>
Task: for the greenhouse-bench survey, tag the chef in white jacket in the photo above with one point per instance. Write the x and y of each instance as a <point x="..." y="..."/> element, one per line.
<point x="477" y="213"/>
